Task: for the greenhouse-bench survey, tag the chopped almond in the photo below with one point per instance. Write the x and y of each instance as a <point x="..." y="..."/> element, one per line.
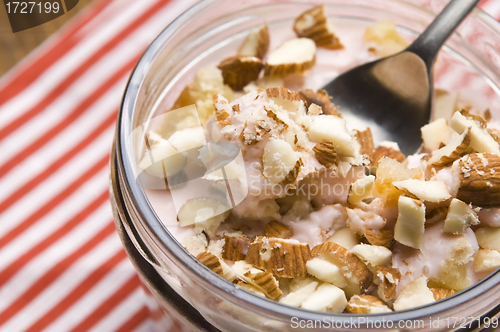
<point x="488" y="237"/>
<point x="326" y="298"/>
<point x="387" y="279"/>
<point x="240" y="70"/>
<point x="487" y="260"/>
<point x="256" y="43"/>
<point x="366" y="304"/>
<point x="235" y="248"/>
<point x="344" y="237"/>
<point x="414" y="295"/>
<point x="479" y="176"/>
<point x="429" y="191"/>
<point x="365" y="139"/>
<point x="277" y="229"/>
<point x="452" y="150"/>
<point x="294" y="56"/>
<point x="325" y="153"/>
<point x="320" y="98"/>
<point x="442" y="293"/>
<point x="389" y="151"/>
<point x="384" y="237"/>
<point x="360" y="189"/>
<point x="460" y="217"/>
<point x="409" y="228"/>
<point x="314" y="24"/>
<point x="282" y="258"/>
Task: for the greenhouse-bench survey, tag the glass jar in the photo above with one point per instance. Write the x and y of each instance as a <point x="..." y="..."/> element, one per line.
<point x="204" y="35"/>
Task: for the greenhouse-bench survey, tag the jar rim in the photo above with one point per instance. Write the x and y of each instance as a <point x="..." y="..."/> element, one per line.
<point x="186" y="261"/>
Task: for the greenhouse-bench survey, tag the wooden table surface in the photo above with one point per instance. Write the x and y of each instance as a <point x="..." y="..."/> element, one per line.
<point x="15" y="46"/>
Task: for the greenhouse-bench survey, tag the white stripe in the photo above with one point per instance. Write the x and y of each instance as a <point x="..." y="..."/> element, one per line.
<point x="65" y="284"/>
<point x="96" y="296"/>
<point x="59" y="181"/>
<point x="81" y="89"/>
<point x="93" y="42"/>
<point x="38" y="266"/>
<point x="54" y="220"/>
<point x="122" y="312"/>
<point x="492" y="7"/>
<point x="71" y="136"/>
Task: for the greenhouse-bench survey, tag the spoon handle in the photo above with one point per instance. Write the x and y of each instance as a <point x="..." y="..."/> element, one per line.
<point x="427" y="45"/>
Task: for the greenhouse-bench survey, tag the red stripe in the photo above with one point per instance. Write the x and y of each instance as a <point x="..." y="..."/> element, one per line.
<point x="36" y="66"/>
<point x="107" y="306"/>
<point x="72" y="77"/>
<point x="57" y="164"/>
<point x="77" y="293"/>
<point x="133" y="322"/>
<point x="55" y="272"/>
<point x="54" y="202"/>
<point x="58" y="234"/>
<point x="72" y="117"/>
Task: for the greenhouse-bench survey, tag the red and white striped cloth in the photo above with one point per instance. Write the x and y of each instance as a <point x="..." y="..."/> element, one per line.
<point x="62" y="267"/>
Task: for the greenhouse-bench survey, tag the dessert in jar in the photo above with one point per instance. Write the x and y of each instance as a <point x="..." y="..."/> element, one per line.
<point x="259" y="176"/>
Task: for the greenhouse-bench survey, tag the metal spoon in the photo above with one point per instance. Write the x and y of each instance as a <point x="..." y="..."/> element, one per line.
<point x="393" y="96"/>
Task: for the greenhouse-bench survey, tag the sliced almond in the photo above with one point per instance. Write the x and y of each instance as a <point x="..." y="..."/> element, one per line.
<point x="409" y="228"/>
<point x="481" y="140"/>
<point x="366" y="304"/>
<point x="326" y="271"/>
<point x="314" y="24"/>
<point x="282" y="258"/>
<point x="488" y="237"/>
<point x="277" y="229"/>
<point x="211" y="261"/>
<point x="365" y="139"/>
<point x="429" y="191"/>
<point x="202" y="210"/>
<point x="266" y="283"/>
<point x="414" y="295"/>
<point x="360" y="189"/>
<point x="278" y="160"/>
<point x="452" y="150"/>
<point x="442" y="293"/>
<point x="373" y="256"/>
<point x="320" y="98"/>
<point x="387" y="279"/>
<point x="240" y="70"/>
<point x="235" y="248"/>
<point x="382" y="237"/>
<point x="297" y="297"/>
<point x="344" y="237"/>
<point x="460" y="217"/>
<point x="486" y="260"/>
<point x="434" y="134"/>
<point x="355" y="271"/>
<point x="294" y="56"/>
<point x="389" y="151"/>
<point x="325" y="153"/>
<point x="256" y="43"/>
<point x="326" y="298"/>
<point x="479" y="176"/>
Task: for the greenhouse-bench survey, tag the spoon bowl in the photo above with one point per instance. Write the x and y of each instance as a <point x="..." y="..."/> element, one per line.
<point x="393" y="96"/>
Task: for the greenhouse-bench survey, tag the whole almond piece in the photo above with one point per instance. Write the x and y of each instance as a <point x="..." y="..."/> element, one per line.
<point x="256" y="43"/>
<point x="282" y="258"/>
<point x="479" y="177"/>
<point x="314" y="24"/>
<point x="240" y="70"/>
<point x="294" y="56"/>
